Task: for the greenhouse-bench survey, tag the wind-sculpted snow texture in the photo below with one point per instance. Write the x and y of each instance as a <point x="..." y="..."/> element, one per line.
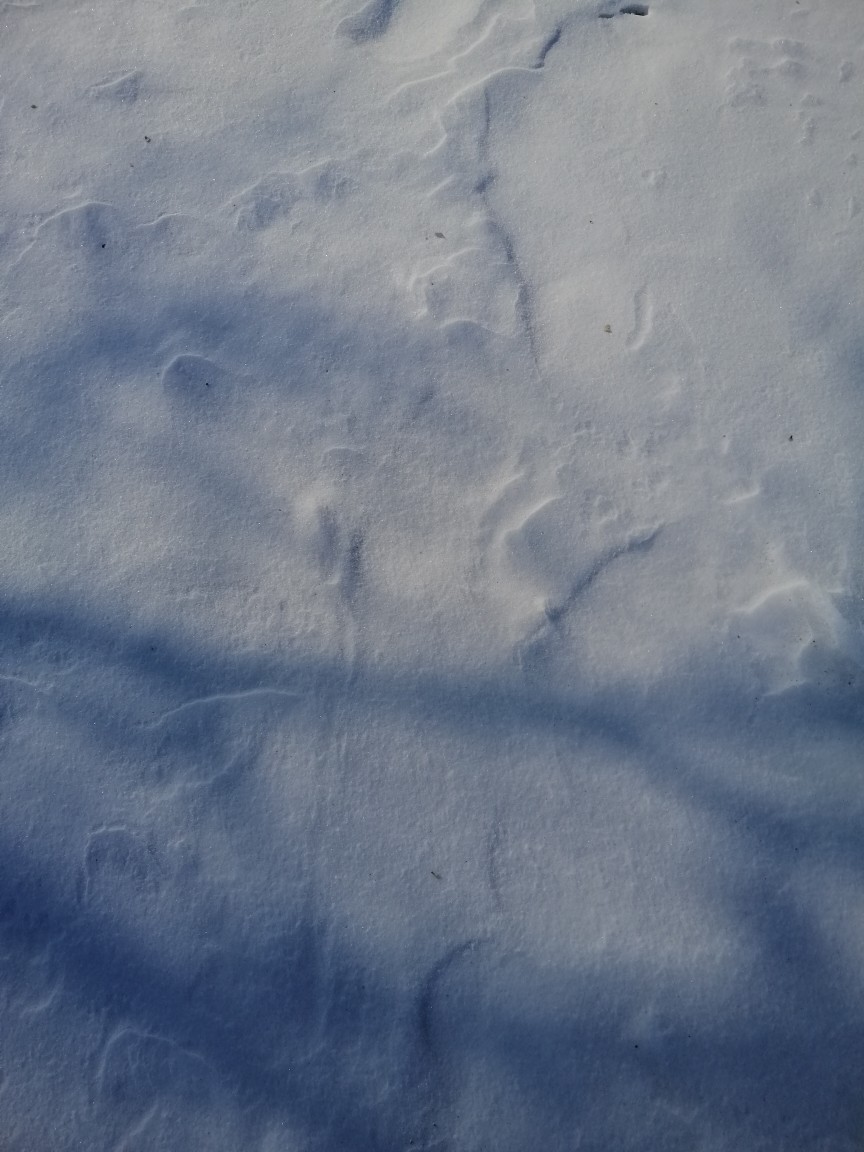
<point x="431" y="598"/>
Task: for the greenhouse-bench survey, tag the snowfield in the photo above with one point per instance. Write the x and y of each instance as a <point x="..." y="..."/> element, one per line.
<point x="432" y="578"/>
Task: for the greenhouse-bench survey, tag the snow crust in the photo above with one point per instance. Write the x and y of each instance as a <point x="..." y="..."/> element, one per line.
<point x="432" y="635"/>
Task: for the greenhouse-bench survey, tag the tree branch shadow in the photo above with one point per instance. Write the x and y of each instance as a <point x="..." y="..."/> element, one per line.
<point x="287" y="1020"/>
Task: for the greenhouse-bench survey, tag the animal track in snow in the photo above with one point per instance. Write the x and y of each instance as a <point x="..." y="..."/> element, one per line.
<point x="43" y="984"/>
<point x="762" y="67"/>
<point x="118" y="863"/>
<point x="336" y="553"/>
<point x="513" y="500"/>
<point x="98" y="231"/>
<point x="275" y="194"/>
<point x="470" y="286"/>
<point x="450" y="32"/>
<point x="258" y="206"/>
<point x="654" y="177"/>
<point x="123" y="87"/>
<point x="137" y="1064"/>
<point x="545" y="553"/>
<point x="643" y="319"/>
<point x="157" y="1091"/>
<point x="86" y="229"/>
<point x="793" y="630"/>
<point x="195" y="385"/>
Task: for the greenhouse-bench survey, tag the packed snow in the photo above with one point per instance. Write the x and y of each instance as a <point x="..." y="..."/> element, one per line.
<point x="432" y="638"/>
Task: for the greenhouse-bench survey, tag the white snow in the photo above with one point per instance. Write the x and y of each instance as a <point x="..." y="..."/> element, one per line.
<point x="432" y="576"/>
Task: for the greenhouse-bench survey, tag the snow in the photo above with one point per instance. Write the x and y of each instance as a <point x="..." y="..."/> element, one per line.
<point x="432" y="631"/>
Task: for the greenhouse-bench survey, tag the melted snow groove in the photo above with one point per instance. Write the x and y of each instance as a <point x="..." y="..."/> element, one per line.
<point x="524" y="304"/>
<point x="225" y="698"/>
<point x="426" y="1000"/>
<point x="483" y="283"/>
<point x="624" y="10"/>
<point x="557" y="612"/>
<point x="547" y="47"/>
<point x="370" y="23"/>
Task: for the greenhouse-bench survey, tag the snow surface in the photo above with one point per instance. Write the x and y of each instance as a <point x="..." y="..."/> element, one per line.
<point x="432" y="634"/>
